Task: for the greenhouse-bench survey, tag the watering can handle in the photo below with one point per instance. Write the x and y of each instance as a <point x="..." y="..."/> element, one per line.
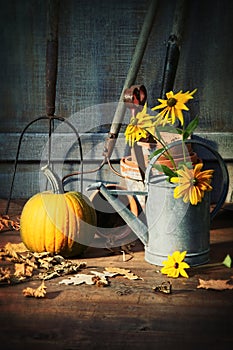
<point x="221" y="162"/>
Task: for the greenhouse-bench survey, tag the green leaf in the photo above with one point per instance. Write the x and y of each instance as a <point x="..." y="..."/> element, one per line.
<point x="189" y="165"/>
<point x="170" y="129"/>
<point x="179" y="131"/>
<point x="158" y="135"/>
<point x="164" y="169"/>
<point x="155" y="153"/>
<point x="227" y="261"/>
<point x="190" y="128"/>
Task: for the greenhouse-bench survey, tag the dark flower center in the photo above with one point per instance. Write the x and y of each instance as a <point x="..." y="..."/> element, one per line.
<point x="176" y="265"/>
<point x="194" y="182"/>
<point x="171" y="102"/>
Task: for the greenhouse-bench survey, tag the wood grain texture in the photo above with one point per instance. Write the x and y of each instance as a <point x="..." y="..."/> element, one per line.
<point x="97" y="40"/>
<point x="127" y="313"/>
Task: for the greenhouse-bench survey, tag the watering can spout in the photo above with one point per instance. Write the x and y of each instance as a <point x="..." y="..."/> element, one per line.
<point x="136" y="225"/>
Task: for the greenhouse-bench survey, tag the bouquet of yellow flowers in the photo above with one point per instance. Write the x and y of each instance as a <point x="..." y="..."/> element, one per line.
<point x="191" y="181"/>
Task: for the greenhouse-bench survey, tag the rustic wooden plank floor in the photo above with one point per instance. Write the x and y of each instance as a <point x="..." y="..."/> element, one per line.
<point x="127" y="314"/>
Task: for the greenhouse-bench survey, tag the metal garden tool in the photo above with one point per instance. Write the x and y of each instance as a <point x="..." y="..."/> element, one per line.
<point x="51" y="80"/>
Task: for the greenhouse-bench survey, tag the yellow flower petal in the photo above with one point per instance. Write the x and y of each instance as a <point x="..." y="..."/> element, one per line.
<point x="183" y="273"/>
<point x="140" y="126"/>
<point x="174" y="265"/>
<point x="175" y="179"/>
<point x="182" y="256"/>
<point x="173" y="106"/>
<point x="177" y="256"/>
<point x="192" y="183"/>
<point x="184" y="265"/>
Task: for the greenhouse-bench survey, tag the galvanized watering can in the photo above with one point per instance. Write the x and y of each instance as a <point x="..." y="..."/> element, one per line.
<point x="171" y="224"/>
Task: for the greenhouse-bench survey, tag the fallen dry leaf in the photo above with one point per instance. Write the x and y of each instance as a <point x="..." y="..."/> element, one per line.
<point x="101" y="278"/>
<point x="100" y="281"/>
<point x="6" y="222"/>
<point x="124" y="272"/>
<point x="215" y="284"/>
<point x="65" y="267"/>
<point x="43" y="265"/>
<point x="98" y="278"/>
<point x="23" y="270"/>
<point x="39" y="292"/>
<point x="5" y="274"/>
<point x="80" y="278"/>
<point x="14" y="249"/>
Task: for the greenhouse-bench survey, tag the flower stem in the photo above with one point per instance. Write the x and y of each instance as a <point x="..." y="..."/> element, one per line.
<point x="183" y="145"/>
<point x="163" y="144"/>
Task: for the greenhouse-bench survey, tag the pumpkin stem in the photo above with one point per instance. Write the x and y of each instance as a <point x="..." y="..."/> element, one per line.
<point x="54" y="180"/>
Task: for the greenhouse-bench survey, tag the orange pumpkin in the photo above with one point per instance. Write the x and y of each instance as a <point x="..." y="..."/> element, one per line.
<point x="59" y="223"/>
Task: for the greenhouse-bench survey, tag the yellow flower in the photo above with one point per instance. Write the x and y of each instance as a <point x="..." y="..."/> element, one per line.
<point x="172" y="107"/>
<point x="175" y="266"/>
<point x="192" y="183"/>
<point x="139" y="127"/>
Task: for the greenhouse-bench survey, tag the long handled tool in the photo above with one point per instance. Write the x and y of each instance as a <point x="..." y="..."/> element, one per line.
<point x="131" y="77"/>
<point x="173" y="47"/>
<point x="170" y="67"/>
<point x="51" y="80"/>
<point x="51" y="77"/>
<point x="129" y="81"/>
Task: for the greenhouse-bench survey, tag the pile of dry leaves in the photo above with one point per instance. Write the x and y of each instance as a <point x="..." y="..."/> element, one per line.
<point x="100" y="279"/>
<point x="18" y="265"/>
<point x="22" y="265"/>
<point x="26" y="266"/>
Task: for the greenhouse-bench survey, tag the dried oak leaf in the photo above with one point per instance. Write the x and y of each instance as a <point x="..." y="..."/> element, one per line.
<point x="101" y="278"/>
<point x="5" y="275"/>
<point x="39" y="292"/>
<point x="100" y="281"/>
<point x="45" y="263"/>
<point x="14" y="249"/>
<point x="48" y="276"/>
<point x="98" y="278"/>
<point x="6" y="222"/>
<point x="65" y="267"/>
<point x="123" y="272"/>
<point x="80" y="278"/>
<point x="23" y="270"/>
<point x="215" y="284"/>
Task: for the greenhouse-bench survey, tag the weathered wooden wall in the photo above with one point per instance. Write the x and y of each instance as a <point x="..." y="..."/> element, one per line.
<point x="97" y="39"/>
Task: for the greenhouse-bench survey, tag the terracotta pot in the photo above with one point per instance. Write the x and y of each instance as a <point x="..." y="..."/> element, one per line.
<point x="129" y="169"/>
<point x="192" y="157"/>
<point x="147" y="149"/>
<point x="176" y="151"/>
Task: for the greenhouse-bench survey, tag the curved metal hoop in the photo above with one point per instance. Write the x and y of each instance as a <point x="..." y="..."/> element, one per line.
<point x="50" y="118"/>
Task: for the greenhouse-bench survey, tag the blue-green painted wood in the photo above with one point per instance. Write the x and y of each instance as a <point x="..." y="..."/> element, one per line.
<point x="96" y="42"/>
